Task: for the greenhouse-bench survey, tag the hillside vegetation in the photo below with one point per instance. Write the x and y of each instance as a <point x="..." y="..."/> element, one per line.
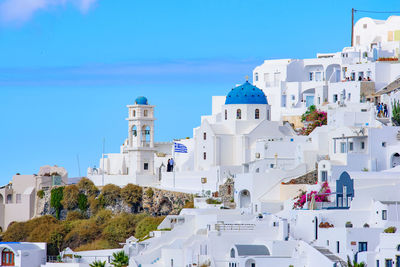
<point x="90" y="218"/>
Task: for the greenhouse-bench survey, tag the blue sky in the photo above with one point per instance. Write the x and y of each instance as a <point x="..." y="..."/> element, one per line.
<point x="68" y="68"/>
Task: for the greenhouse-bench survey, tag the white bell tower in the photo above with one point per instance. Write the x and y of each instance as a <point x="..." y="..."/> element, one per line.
<point x="140" y="144"/>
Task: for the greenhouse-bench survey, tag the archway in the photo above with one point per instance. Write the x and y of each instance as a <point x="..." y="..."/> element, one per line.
<point x="250" y="263"/>
<point x="244" y="198"/>
<point x="7" y="257"/>
<point x="395" y="160"/>
<point x="146" y="136"/>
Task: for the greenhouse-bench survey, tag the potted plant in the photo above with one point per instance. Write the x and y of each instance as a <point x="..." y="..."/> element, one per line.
<point x="349" y="225"/>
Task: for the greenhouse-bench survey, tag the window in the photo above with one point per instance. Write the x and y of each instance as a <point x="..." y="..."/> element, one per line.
<point x="351" y="146"/>
<point x="293" y="97"/>
<point x="238" y="114"/>
<point x="204" y="136"/>
<point x="362" y="246"/>
<point x="364" y="26"/>
<point x="134" y="113"/>
<point x="327" y="243"/>
<point x="268" y="115"/>
<point x="277" y="78"/>
<point x="384" y="215"/>
<point x="232" y="253"/>
<point x="342" y="147"/>
<point x="358" y="40"/>
<point x="335" y="98"/>
<point x="18" y="198"/>
<point x="257" y="114"/>
<point x="324" y="176"/>
<point x="349" y="96"/>
<point x="388" y="263"/>
<point x="146" y="166"/>
<point x="172" y="262"/>
<point x="311" y="76"/>
<point x="319" y="100"/>
<point x="226" y="114"/>
<point x="145" y="113"/>
<point x="256" y="77"/>
<point x="362" y="145"/>
<point x="204" y="155"/>
<point x="383" y="144"/>
<point x="337" y="247"/>
<point x="377" y="263"/>
<point x="9" y="199"/>
<point x="318" y="76"/>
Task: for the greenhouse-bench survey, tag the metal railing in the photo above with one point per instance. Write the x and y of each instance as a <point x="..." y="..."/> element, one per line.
<point x="234" y="227"/>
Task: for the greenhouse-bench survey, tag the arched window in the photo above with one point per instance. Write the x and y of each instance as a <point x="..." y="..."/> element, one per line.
<point x="232" y="253"/>
<point x="7" y="258"/>
<point x="204" y="155"/>
<point x="204" y="136"/>
<point x="226" y="114"/>
<point x="134" y="130"/>
<point x="398" y="247"/>
<point x="145" y="113"/>
<point x="238" y="114"/>
<point x="257" y="114"/>
<point x="134" y="113"/>
<point x="9" y="198"/>
<point x="146" y="135"/>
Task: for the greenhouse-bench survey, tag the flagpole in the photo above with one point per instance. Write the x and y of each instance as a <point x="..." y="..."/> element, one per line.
<point x="173" y="160"/>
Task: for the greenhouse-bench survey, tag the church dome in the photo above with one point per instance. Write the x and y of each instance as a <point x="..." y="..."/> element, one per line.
<point x="246" y="94"/>
<point x="141" y="100"/>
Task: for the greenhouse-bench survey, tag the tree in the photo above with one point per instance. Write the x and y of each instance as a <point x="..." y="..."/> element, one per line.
<point x="396" y="112"/>
<point x="132" y="195"/>
<point x="55" y="200"/>
<point x="82" y="202"/>
<point x="98" y="264"/>
<point x="111" y="194"/>
<point x="70" y="199"/>
<point x="120" y="259"/>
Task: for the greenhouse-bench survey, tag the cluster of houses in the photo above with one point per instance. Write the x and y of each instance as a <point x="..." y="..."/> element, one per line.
<point x="284" y="199"/>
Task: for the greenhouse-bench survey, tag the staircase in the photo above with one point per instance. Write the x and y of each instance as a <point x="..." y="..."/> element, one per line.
<point x="327" y="253"/>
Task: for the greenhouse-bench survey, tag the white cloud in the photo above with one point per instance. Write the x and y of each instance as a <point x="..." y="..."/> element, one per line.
<point x="23" y="10"/>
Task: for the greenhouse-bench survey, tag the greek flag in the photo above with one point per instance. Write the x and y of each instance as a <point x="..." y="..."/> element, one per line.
<point x="179" y="148"/>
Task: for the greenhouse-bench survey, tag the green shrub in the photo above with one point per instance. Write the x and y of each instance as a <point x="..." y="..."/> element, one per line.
<point x="40" y="194"/>
<point x="74" y="215"/>
<point x="82" y="232"/>
<point x="103" y="216"/>
<point x="390" y="230"/>
<point x="120" y="259"/>
<point x="132" y="195"/>
<point x="145" y="226"/>
<point x="98" y="264"/>
<point x="111" y="194"/>
<point x="189" y="205"/>
<point x="70" y="197"/>
<point x="55" y="200"/>
<point x="213" y="201"/>
<point x="96" y="203"/>
<point x="82" y="202"/>
<point x="87" y="187"/>
<point x="149" y="192"/>
<point x="119" y="228"/>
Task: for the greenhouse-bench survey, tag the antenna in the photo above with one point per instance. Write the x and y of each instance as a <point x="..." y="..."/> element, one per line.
<point x="102" y="173"/>
<point x="79" y="166"/>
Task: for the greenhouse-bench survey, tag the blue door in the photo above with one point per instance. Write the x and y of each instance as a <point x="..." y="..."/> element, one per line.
<point x="309" y="100"/>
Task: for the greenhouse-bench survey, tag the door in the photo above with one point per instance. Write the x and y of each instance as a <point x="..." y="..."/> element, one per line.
<point x="309" y="100"/>
<point x="397" y="261"/>
<point x="7" y="258"/>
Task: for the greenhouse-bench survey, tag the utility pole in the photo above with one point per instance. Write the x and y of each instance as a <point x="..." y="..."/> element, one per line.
<point x="352" y="25"/>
